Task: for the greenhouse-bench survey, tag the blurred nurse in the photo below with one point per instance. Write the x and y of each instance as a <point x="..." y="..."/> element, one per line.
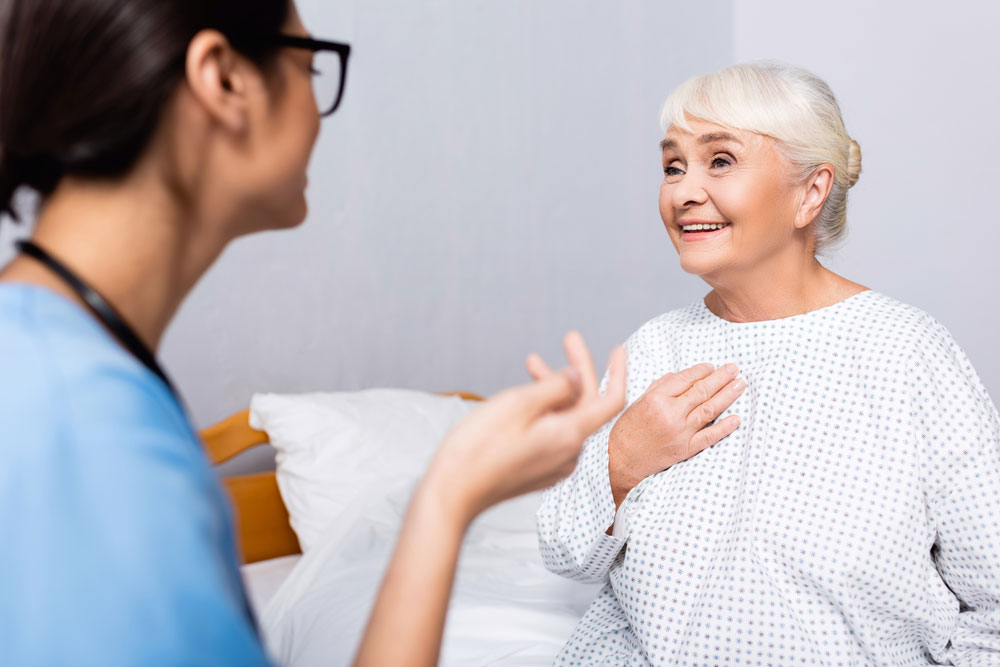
<point x="155" y="132"/>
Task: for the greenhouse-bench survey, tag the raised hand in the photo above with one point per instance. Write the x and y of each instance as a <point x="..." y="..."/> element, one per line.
<point x="520" y="440"/>
<point x="528" y="437"/>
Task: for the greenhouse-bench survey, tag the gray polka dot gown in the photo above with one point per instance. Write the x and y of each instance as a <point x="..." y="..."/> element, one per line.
<point x="852" y="519"/>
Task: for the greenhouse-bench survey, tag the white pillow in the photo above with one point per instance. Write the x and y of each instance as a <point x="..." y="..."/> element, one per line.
<point x="335" y="449"/>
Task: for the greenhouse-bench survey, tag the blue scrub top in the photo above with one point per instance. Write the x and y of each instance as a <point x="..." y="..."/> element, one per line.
<point x="116" y="545"/>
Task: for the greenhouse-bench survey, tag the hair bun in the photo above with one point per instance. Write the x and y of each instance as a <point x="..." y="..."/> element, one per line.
<point x="853" y="163"/>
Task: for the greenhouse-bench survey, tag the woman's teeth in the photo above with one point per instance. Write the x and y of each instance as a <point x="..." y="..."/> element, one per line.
<point x="704" y="227"/>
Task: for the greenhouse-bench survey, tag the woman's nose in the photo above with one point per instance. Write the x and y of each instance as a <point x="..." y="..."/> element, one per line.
<point x="688" y="192"/>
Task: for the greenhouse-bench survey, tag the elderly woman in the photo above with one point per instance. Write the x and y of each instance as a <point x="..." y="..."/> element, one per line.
<point x="849" y="514"/>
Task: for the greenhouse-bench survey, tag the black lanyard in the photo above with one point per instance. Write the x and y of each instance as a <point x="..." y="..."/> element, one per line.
<point x="102" y="310"/>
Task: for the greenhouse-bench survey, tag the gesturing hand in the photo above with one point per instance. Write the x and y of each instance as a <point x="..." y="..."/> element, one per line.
<point x="520" y="440"/>
<point x="668" y="423"/>
<point x="528" y="437"/>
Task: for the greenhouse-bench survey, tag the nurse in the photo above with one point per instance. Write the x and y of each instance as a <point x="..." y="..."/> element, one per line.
<point x="155" y="132"/>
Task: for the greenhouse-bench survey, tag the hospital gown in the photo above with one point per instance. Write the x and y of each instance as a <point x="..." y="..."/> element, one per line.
<point x="852" y="519"/>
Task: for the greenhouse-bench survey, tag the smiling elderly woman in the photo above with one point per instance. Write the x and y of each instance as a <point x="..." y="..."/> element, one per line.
<point x="849" y="513"/>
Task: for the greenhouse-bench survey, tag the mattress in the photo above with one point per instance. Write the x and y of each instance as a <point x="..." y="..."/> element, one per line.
<point x="506" y="608"/>
<point x="263" y="579"/>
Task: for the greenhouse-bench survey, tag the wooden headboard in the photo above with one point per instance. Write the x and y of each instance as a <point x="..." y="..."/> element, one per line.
<point x="261" y="520"/>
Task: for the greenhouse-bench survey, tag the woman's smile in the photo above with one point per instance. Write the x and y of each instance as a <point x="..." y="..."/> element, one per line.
<point x="702" y="230"/>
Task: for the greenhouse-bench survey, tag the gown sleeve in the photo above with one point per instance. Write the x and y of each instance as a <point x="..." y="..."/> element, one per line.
<point x="958" y="430"/>
<point x="576" y="513"/>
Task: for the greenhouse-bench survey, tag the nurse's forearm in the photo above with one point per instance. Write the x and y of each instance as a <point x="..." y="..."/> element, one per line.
<point x="407" y="621"/>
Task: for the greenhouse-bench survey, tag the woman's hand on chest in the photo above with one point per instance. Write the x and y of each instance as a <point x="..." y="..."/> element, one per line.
<point x="671" y="422"/>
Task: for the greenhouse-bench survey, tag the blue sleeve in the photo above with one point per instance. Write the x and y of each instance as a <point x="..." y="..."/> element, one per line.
<point x="117" y="545"/>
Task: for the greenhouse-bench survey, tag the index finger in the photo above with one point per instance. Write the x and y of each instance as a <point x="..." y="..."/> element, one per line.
<point x="537" y="367"/>
<point x="703" y="390"/>
<point x="591" y="415"/>
<point x="579" y="357"/>
<point x="676" y="384"/>
<point x="550" y="393"/>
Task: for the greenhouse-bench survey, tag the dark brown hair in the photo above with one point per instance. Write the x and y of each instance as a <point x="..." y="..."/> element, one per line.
<point x="83" y="83"/>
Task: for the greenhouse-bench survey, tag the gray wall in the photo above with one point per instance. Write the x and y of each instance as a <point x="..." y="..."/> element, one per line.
<point x="491" y="182"/>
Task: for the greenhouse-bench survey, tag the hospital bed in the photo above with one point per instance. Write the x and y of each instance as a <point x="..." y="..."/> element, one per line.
<point x="506" y="608"/>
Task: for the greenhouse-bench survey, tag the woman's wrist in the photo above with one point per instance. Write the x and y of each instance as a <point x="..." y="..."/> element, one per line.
<point x="445" y="495"/>
<point x="619" y="489"/>
<point x="621" y="482"/>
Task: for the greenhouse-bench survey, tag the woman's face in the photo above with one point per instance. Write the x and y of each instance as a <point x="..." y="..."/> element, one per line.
<point x="716" y="175"/>
<point x="288" y="122"/>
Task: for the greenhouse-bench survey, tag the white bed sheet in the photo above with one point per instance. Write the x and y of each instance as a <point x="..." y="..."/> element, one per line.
<point x="506" y="608"/>
<point x="263" y="579"/>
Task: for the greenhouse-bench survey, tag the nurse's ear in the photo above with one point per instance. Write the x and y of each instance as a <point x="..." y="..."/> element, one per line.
<point x="221" y="80"/>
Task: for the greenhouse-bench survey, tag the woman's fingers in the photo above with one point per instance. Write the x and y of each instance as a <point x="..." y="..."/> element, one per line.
<point x="709" y="410"/>
<point x="676" y="384"/>
<point x="579" y="358"/>
<point x="710" y="435"/>
<point x="591" y="415"/>
<point x="537" y="367"/>
<point x="554" y="392"/>
<point x="584" y="409"/>
<point x="703" y="390"/>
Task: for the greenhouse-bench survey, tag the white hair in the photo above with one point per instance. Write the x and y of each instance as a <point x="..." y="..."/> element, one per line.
<point x="788" y="104"/>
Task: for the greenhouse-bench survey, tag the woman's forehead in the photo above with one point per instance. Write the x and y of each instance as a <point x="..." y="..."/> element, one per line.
<point x="703" y="132"/>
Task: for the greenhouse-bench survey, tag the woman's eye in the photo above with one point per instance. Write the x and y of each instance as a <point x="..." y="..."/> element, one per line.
<point x="672" y="171"/>
<point x="720" y="162"/>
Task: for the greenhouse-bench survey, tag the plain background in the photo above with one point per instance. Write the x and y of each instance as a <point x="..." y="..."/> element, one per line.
<point x="491" y="181"/>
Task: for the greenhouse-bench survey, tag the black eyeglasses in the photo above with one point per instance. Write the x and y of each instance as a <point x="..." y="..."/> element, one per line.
<point x="329" y="69"/>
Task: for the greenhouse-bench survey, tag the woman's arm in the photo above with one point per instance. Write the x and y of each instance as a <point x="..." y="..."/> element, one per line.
<point x="409" y="614"/>
<point x="521" y="440"/>
<point x="959" y="431"/>
<point x="665" y="423"/>
<point x="581" y="505"/>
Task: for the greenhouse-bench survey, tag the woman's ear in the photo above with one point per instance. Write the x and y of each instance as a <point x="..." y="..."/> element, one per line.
<point x="217" y="80"/>
<point x="817" y="189"/>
